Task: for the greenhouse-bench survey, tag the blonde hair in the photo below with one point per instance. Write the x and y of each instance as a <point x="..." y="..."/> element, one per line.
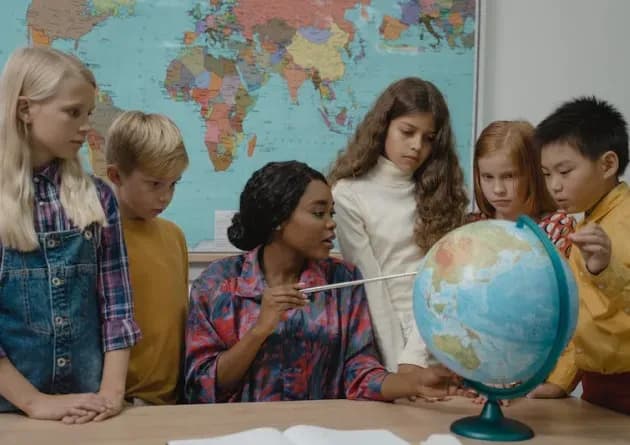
<point x="441" y="199"/>
<point x="517" y="139"/>
<point x="149" y="142"/>
<point x="37" y="74"/>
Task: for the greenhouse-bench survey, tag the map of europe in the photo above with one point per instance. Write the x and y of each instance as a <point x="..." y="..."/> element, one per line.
<point x="252" y="81"/>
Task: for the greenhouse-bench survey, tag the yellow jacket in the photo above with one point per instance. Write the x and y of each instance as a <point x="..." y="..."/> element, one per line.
<point x="602" y="339"/>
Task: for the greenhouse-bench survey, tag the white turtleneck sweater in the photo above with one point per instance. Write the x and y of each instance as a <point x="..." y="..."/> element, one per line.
<point x="375" y="216"/>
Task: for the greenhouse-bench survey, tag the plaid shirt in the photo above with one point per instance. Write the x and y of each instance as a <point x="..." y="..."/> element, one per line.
<point x="556" y="225"/>
<point x="119" y="329"/>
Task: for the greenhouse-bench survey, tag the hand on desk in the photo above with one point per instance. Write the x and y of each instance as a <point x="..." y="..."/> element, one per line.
<point x="83" y="407"/>
<point x="113" y="406"/>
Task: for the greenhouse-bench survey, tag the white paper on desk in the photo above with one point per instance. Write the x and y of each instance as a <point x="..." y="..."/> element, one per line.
<point x="300" y="435"/>
<point x="441" y="439"/>
<point x="315" y="435"/>
<point x="257" y="436"/>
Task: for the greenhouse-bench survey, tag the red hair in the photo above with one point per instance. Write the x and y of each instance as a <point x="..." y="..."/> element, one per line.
<point x="517" y="138"/>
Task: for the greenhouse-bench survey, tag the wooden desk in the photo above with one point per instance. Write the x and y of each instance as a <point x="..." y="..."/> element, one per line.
<point x="568" y="421"/>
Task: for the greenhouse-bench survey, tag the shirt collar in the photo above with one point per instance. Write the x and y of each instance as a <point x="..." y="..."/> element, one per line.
<point x="387" y="173"/>
<point x="51" y="172"/>
<point x="608" y="203"/>
<point x="251" y="283"/>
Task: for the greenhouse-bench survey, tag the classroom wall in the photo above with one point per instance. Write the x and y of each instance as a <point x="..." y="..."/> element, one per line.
<point x="535" y="54"/>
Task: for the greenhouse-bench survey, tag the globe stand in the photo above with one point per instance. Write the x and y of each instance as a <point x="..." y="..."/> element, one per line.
<point x="492" y="425"/>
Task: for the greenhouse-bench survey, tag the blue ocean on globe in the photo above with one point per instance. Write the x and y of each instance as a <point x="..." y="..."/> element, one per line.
<point x="486" y="302"/>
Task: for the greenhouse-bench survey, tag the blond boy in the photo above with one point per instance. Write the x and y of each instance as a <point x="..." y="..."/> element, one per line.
<point x="145" y="157"/>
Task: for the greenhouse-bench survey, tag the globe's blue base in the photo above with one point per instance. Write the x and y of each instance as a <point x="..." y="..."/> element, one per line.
<point x="492" y="425"/>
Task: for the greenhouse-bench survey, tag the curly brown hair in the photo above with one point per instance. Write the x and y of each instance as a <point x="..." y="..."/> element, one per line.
<point x="441" y="199"/>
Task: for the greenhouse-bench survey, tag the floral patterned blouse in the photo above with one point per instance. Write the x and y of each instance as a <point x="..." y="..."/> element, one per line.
<point x="324" y="350"/>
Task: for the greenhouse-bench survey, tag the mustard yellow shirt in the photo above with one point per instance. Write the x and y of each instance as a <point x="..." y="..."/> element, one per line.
<point x="602" y="339"/>
<point x="158" y="269"/>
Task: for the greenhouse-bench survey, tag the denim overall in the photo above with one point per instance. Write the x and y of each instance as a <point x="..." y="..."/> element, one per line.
<point x="50" y="325"/>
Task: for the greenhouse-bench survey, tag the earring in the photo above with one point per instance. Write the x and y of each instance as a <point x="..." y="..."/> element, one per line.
<point x="278" y="228"/>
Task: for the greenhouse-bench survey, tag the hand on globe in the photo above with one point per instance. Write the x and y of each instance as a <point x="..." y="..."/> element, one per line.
<point x="434" y="383"/>
<point x="481" y="399"/>
<point x="594" y="245"/>
<point x="547" y="391"/>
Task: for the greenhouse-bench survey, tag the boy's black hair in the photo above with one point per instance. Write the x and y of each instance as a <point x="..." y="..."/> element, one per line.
<point x="592" y="126"/>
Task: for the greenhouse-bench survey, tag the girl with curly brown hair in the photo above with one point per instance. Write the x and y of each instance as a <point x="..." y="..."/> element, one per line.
<point x="398" y="188"/>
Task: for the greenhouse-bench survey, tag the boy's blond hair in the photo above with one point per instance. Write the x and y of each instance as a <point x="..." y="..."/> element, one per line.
<point x="149" y="142"/>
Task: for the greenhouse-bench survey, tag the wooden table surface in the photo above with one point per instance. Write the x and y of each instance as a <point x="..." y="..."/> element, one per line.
<point x="566" y="421"/>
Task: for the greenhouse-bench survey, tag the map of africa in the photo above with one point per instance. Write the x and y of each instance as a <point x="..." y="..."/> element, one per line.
<point x="252" y="81"/>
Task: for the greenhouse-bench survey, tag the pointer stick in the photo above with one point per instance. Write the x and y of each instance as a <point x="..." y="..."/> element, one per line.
<point x="310" y="290"/>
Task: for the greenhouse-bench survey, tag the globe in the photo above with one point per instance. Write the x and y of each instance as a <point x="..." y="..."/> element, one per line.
<point x="496" y="304"/>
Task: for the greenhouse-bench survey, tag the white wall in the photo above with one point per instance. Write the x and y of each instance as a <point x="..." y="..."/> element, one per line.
<point x="536" y="54"/>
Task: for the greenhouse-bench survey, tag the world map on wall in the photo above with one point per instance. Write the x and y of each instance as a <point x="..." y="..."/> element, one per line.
<point x="252" y="81"/>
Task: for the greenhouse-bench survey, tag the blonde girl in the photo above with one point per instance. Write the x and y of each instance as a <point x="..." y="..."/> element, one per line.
<point x="65" y="306"/>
